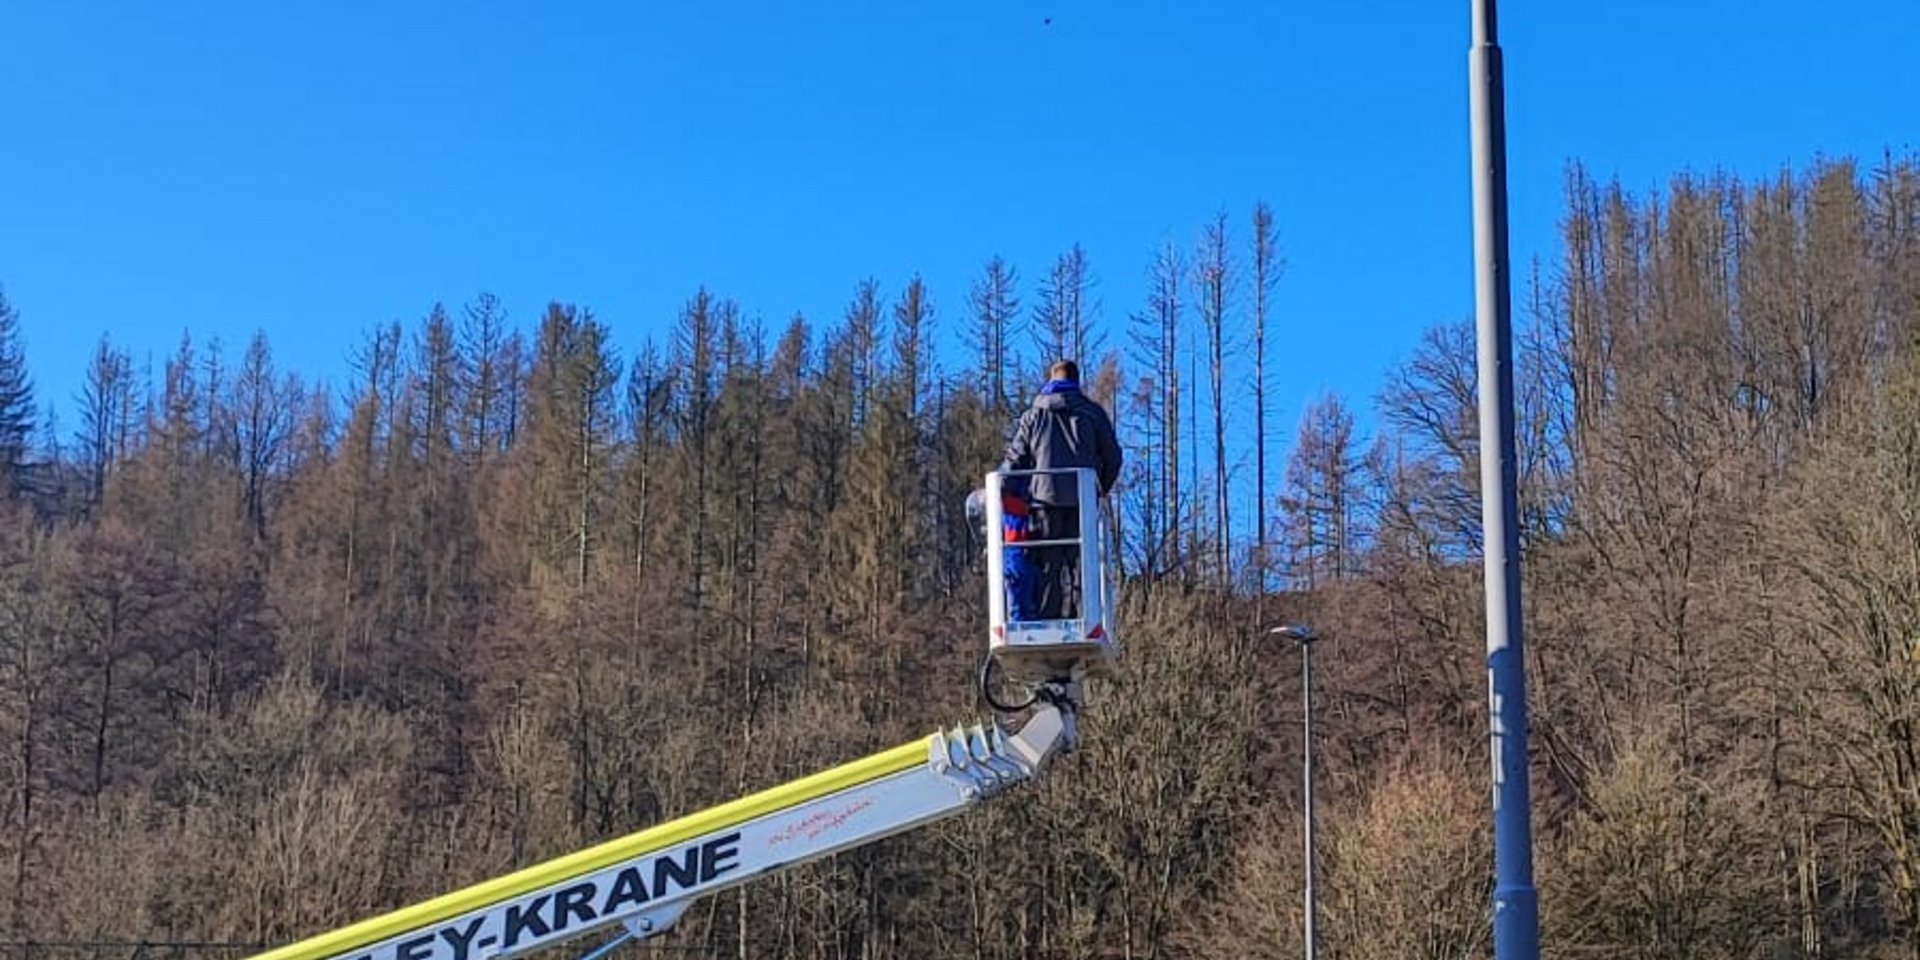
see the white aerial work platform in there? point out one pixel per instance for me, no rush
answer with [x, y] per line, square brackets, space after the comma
[1032, 647]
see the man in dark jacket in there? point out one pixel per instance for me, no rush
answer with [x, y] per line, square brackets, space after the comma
[1064, 428]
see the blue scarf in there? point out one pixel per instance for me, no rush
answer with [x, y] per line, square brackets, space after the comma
[1059, 386]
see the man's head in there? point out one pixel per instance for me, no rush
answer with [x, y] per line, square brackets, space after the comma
[1064, 370]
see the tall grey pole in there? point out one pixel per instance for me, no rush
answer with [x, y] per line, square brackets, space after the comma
[1310, 907]
[1516, 927]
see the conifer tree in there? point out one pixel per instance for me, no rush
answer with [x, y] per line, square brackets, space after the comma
[17, 412]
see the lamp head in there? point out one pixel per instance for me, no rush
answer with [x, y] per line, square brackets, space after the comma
[1297, 632]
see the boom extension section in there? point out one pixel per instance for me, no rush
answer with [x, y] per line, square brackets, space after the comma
[645, 881]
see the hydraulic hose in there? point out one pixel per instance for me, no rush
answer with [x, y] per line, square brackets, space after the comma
[986, 690]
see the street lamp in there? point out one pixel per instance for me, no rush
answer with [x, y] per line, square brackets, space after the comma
[1305, 637]
[1516, 920]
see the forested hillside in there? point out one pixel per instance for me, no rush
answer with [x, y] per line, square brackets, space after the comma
[273, 658]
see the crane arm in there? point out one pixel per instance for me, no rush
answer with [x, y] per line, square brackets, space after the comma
[644, 881]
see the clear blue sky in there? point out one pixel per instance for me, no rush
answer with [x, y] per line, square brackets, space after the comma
[313, 168]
